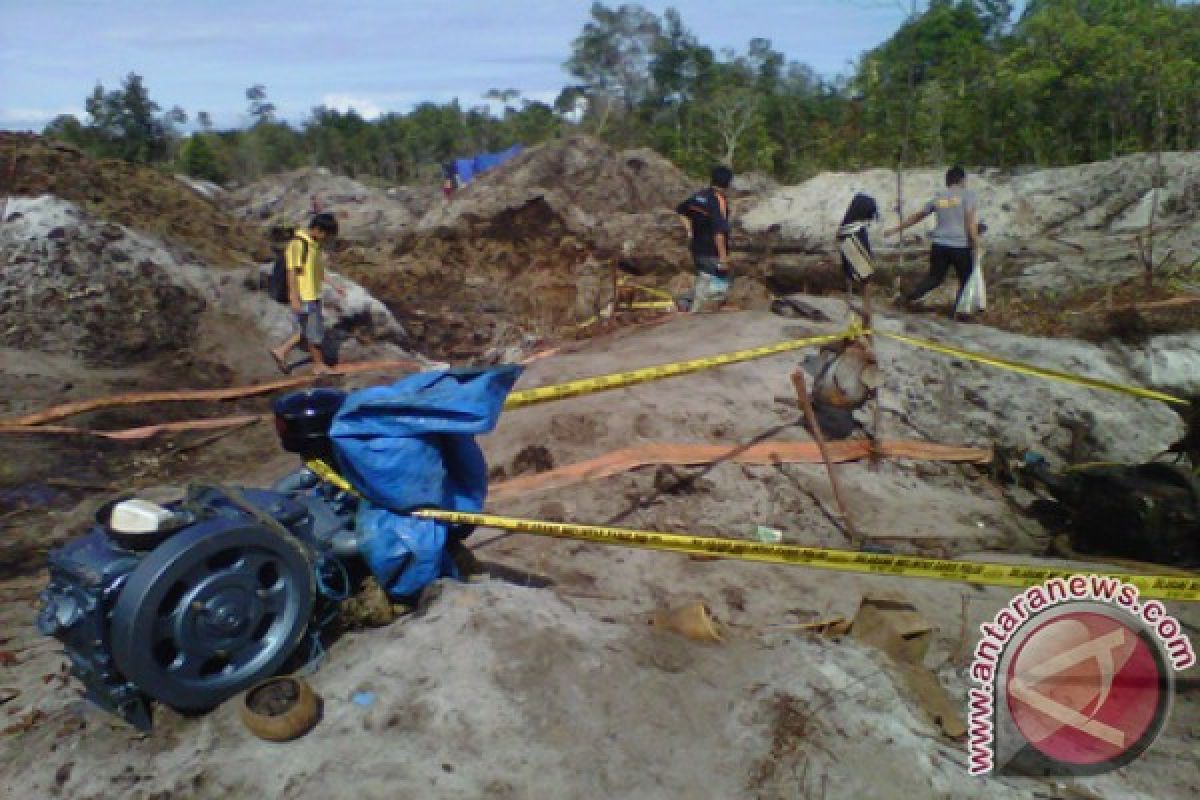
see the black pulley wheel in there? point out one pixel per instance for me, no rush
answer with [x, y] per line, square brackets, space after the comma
[215, 609]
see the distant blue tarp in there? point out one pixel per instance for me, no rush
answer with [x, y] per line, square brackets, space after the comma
[412, 445]
[468, 168]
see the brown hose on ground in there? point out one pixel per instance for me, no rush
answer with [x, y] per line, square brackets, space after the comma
[764, 453]
[176, 395]
[134, 434]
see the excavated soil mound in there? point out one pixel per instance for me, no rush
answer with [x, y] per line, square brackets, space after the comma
[1111, 196]
[528, 248]
[135, 196]
[364, 213]
[79, 286]
[589, 174]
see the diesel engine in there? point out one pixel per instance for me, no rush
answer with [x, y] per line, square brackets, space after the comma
[187, 596]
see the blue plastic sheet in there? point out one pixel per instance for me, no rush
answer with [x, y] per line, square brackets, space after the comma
[412, 445]
[468, 169]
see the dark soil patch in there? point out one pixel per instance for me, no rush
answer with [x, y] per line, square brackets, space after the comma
[790, 727]
[532, 459]
[273, 699]
[1098, 314]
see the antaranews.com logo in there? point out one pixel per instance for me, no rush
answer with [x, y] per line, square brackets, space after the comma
[1073, 677]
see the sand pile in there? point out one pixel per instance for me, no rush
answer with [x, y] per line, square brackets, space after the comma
[527, 248]
[113, 297]
[136, 197]
[364, 213]
[1111, 196]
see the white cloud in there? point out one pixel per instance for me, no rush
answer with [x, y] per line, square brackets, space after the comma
[25, 117]
[366, 108]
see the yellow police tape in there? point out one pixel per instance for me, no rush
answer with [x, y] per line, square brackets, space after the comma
[328, 474]
[650, 290]
[666, 303]
[619, 380]
[1163, 587]
[1030, 369]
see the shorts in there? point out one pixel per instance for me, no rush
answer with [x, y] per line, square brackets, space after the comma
[709, 290]
[706, 264]
[308, 320]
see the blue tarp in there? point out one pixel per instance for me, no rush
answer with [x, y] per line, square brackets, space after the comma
[468, 168]
[411, 445]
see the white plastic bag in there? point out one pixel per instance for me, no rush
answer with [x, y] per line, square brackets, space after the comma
[974, 295]
[858, 257]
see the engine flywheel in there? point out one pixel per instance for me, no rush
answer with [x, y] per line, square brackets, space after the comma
[211, 611]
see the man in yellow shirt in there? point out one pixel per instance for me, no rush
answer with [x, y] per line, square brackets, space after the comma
[305, 275]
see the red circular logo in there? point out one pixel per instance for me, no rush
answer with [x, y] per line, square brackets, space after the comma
[1087, 689]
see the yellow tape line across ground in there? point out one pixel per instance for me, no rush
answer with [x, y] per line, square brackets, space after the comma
[1162, 587]
[666, 297]
[984, 573]
[544, 394]
[620, 380]
[1030, 369]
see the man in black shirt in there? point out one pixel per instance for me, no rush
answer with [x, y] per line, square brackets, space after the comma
[705, 215]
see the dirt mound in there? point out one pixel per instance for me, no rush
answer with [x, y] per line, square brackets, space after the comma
[618, 203]
[528, 248]
[364, 213]
[79, 286]
[1112, 196]
[587, 174]
[134, 196]
[417, 199]
[90, 308]
[112, 297]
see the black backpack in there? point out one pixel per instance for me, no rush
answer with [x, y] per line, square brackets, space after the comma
[277, 283]
[697, 206]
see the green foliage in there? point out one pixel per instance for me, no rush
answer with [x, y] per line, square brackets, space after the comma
[613, 53]
[125, 123]
[199, 158]
[1069, 81]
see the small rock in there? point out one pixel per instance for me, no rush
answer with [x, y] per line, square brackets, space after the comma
[975, 398]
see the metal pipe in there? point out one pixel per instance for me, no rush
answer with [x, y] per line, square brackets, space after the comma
[811, 416]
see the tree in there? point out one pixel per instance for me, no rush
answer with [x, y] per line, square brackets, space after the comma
[994, 15]
[504, 97]
[67, 128]
[124, 122]
[260, 109]
[679, 61]
[535, 122]
[204, 120]
[612, 55]
[200, 159]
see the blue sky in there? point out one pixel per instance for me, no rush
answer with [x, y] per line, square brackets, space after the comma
[374, 55]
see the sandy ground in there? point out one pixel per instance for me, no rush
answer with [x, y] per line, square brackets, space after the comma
[546, 681]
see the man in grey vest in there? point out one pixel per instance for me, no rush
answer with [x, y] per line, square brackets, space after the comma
[954, 238]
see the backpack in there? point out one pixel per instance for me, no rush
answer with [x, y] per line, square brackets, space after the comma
[698, 206]
[277, 283]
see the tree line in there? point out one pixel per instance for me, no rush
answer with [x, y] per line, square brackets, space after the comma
[1066, 81]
